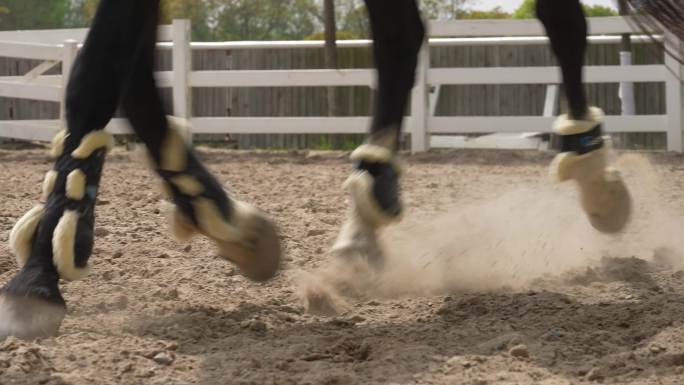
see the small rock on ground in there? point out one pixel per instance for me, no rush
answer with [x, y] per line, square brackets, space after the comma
[519, 351]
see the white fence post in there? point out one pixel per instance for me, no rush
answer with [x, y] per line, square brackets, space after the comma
[626, 90]
[551, 101]
[420, 107]
[182, 65]
[68, 57]
[673, 94]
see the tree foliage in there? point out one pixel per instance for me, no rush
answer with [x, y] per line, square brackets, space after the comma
[353, 18]
[80, 13]
[526, 10]
[599, 11]
[494, 13]
[251, 19]
[442, 9]
[197, 11]
[32, 14]
[266, 19]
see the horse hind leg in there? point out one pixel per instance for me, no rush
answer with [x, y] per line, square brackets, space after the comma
[243, 234]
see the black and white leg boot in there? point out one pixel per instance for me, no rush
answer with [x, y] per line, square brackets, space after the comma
[54, 239]
[583, 158]
[244, 235]
[373, 188]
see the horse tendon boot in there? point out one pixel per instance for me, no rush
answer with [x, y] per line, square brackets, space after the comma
[373, 188]
[583, 158]
[244, 235]
[54, 239]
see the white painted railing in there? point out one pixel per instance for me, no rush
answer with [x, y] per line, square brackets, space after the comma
[42, 45]
[50, 48]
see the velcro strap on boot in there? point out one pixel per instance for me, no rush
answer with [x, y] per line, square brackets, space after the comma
[72, 244]
[375, 164]
[74, 183]
[580, 136]
[68, 194]
[23, 232]
[200, 202]
[583, 143]
[372, 153]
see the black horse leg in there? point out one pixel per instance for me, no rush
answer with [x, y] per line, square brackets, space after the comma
[243, 234]
[566, 27]
[55, 239]
[398, 34]
[604, 197]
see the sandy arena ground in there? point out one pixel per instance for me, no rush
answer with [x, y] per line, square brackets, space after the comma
[494, 277]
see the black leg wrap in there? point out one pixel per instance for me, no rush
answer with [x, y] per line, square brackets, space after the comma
[375, 202]
[60, 232]
[201, 204]
[584, 142]
[54, 240]
[193, 183]
[243, 234]
[385, 186]
[374, 186]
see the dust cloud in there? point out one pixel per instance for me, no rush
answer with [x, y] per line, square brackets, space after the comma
[504, 243]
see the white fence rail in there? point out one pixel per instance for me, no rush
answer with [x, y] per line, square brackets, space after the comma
[52, 47]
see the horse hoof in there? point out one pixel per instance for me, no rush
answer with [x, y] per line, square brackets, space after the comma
[369, 252]
[259, 258]
[609, 208]
[356, 240]
[29, 317]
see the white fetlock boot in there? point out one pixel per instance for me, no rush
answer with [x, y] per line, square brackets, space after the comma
[583, 158]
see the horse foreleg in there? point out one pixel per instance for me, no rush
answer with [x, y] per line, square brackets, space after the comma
[373, 187]
[55, 239]
[583, 158]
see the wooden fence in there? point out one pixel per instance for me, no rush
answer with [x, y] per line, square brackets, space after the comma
[212, 61]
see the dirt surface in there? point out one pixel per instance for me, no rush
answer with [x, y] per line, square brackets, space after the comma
[493, 277]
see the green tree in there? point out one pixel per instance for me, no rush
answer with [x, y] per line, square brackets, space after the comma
[197, 11]
[442, 9]
[353, 18]
[266, 19]
[81, 14]
[526, 10]
[32, 14]
[494, 13]
[599, 11]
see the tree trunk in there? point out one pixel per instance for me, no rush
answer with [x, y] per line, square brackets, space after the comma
[330, 50]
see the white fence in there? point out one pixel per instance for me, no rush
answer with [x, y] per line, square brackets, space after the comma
[53, 47]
